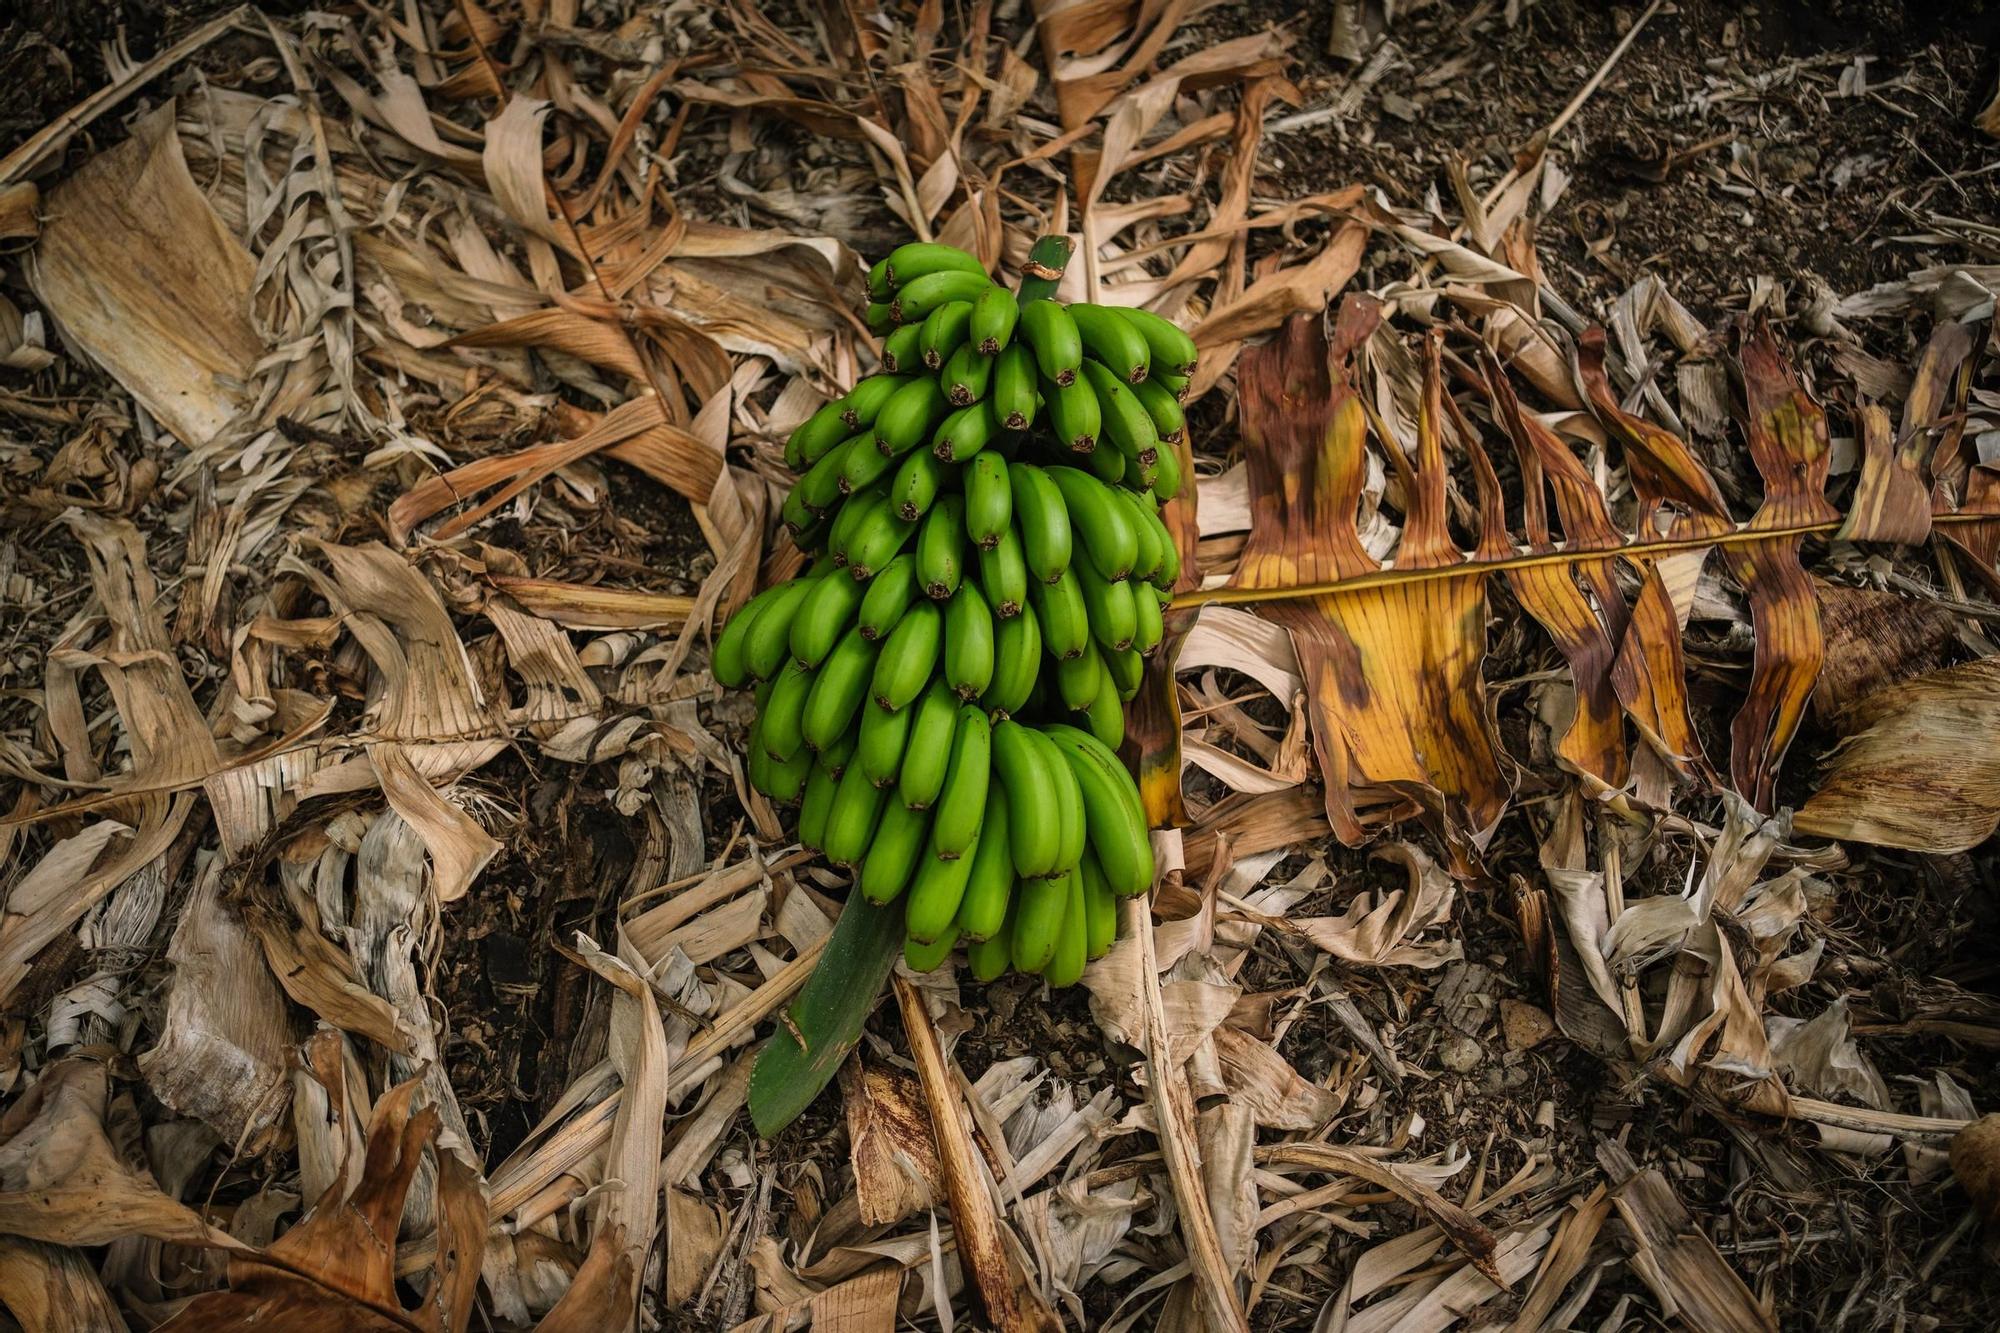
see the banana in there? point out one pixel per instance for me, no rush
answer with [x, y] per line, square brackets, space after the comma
[1107, 465]
[726, 662]
[1126, 423]
[1147, 626]
[1127, 669]
[1169, 422]
[834, 758]
[988, 957]
[785, 779]
[944, 332]
[820, 786]
[1108, 602]
[921, 957]
[1039, 908]
[863, 466]
[967, 375]
[782, 716]
[881, 317]
[1034, 833]
[932, 909]
[982, 910]
[1106, 717]
[851, 819]
[819, 489]
[1166, 483]
[853, 513]
[816, 434]
[964, 434]
[993, 318]
[769, 640]
[1003, 576]
[910, 261]
[1100, 907]
[894, 851]
[1065, 623]
[907, 419]
[1070, 827]
[1017, 657]
[1100, 519]
[1112, 814]
[1072, 949]
[1112, 340]
[915, 484]
[1171, 350]
[1080, 678]
[876, 539]
[902, 351]
[916, 299]
[756, 759]
[1074, 415]
[1177, 385]
[968, 642]
[1147, 533]
[888, 595]
[1013, 389]
[928, 754]
[1169, 571]
[878, 280]
[878, 746]
[941, 549]
[961, 802]
[838, 691]
[1048, 329]
[989, 499]
[861, 404]
[909, 657]
[798, 519]
[1043, 520]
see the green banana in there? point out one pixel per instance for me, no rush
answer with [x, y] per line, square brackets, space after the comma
[914, 259]
[1126, 423]
[881, 316]
[1108, 602]
[1047, 328]
[968, 642]
[915, 484]
[813, 808]
[928, 754]
[989, 499]
[988, 957]
[1171, 350]
[907, 419]
[864, 401]
[1177, 385]
[769, 640]
[1112, 340]
[1100, 519]
[1106, 717]
[785, 779]
[1072, 949]
[798, 519]
[1148, 627]
[1044, 522]
[838, 691]
[1147, 533]
[1033, 824]
[1070, 828]
[1039, 908]
[877, 538]
[941, 548]
[854, 512]
[1017, 657]
[964, 434]
[851, 819]
[1107, 465]
[1166, 483]
[944, 332]
[967, 375]
[1168, 571]
[894, 852]
[888, 595]
[863, 466]
[834, 758]
[1127, 669]
[1075, 418]
[878, 280]
[783, 715]
[878, 746]
[993, 317]
[921, 957]
[916, 299]
[756, 759]
[1013, 388]
[902, 351]
[1112, 813]
[816, 434]
[726, 662]
[1065, 623]
[1003, 576]
[819, 489]
[932, 910]
[982, 910]
[1100, 907]
[909, 656]
[1080, 678]
[1169, 421]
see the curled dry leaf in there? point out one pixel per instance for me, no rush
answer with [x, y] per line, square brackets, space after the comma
[1975, 1161]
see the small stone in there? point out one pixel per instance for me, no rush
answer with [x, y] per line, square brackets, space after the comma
[1461, 1054]
[1524, 1025]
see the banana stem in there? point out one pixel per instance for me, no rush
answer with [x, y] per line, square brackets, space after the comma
[1042, 274]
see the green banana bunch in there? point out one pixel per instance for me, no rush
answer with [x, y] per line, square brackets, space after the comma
[942, 690]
